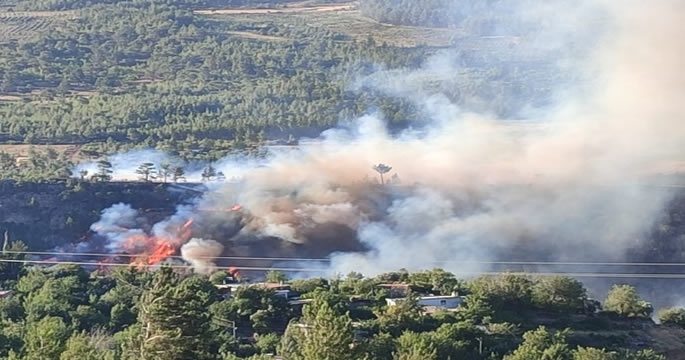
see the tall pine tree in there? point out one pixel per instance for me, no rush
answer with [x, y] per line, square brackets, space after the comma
[174, 318]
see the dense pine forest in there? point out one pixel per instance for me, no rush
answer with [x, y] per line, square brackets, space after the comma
[155, 74]
[64, 312]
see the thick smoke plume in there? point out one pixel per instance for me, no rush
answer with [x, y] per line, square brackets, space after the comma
[200, 253]
[569, 184]
[118, 223]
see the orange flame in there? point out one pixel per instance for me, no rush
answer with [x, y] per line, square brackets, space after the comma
[155, 249]
[161, 251]
[235, 274]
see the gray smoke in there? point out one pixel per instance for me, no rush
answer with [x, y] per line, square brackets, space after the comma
[568, 184]
[201, 253]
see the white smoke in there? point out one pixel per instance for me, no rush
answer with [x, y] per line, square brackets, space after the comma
[117, 223]
[201, 253]
[566, 185]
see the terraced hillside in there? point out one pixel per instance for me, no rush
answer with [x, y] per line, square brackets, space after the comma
[27, 25]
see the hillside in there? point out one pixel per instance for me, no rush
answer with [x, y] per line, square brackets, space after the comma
[187, 75]
[65, 211]
[341, 180]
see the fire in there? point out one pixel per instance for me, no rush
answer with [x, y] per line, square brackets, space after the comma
[234, 273]
[153, 249]
[161, 251]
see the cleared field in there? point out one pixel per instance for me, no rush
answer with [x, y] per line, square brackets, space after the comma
[10, 98]
[250, 35]
[292, 8]
[22, 150]
[24, 25]
[343, 18]
[354, 25]
[38, 14]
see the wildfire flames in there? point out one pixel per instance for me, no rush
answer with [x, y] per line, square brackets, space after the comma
[124, 237]
[154, 249]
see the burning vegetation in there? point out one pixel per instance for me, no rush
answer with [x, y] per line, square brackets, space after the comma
[124, 234]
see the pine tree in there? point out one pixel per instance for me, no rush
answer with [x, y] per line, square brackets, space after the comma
[326, 335]
[165, 171]
[382, 169]
[146, 171]
[208, 173]
[104, 171]
[178, 174]
[174, 318]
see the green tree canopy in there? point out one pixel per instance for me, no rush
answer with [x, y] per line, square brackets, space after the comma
[624, 301]
[146, 171]
[583, 353]
[174, 317]
[673, 316]
[541, 344]
[559, 293]
[323, 334]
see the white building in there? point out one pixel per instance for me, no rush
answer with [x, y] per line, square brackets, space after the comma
[445, 302]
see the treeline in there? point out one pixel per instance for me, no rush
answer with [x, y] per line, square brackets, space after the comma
[64, 312]
[475, 17]
[431, 13]
[36, 166]
[190, 4]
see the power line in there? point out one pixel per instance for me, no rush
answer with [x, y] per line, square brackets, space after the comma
[172, 256]
[98, 264]
[321, 270]
[254, 258]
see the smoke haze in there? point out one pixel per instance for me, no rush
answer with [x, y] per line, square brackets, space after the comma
[200, 254]
[472, 188]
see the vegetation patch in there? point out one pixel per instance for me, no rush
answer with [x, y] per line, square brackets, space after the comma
[28, 25]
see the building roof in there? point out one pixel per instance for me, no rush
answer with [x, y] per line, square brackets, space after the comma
[436, 297]
[273, 286]
[394, 285]
[431, 297]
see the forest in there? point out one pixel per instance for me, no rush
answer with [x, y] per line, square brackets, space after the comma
[79, 4]
[65, 312]
[485, 18]
[153, 74]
